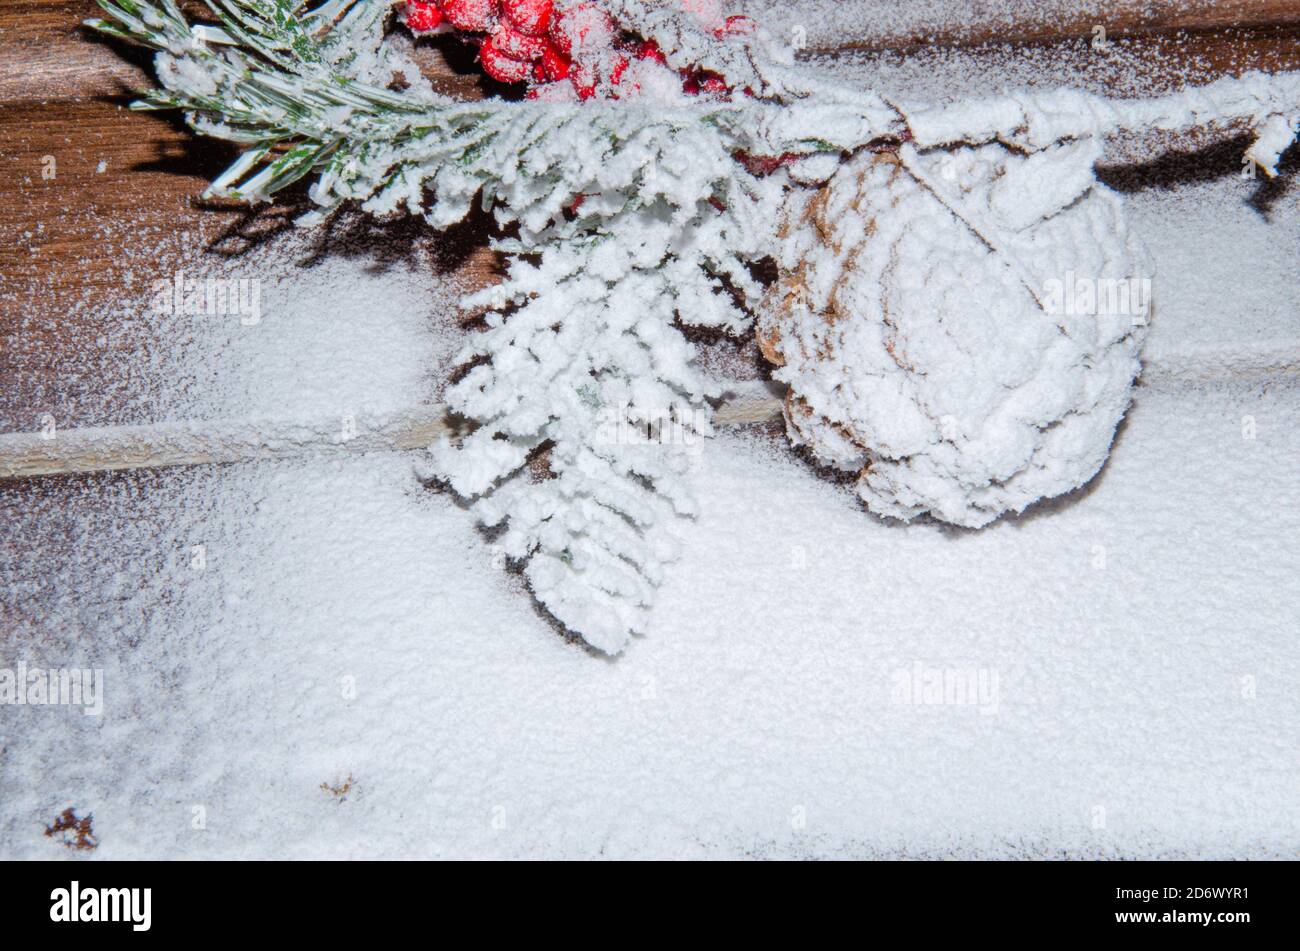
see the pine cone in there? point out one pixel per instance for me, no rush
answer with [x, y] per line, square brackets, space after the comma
[928, 332]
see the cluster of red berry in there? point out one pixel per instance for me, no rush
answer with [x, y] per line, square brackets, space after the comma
[542, 43]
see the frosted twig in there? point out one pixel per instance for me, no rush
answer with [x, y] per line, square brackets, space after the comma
[1036, 121]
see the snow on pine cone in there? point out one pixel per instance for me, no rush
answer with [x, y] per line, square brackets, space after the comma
[963, 366]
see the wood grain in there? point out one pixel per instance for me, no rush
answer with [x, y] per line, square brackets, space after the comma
[47, 54]
[1155, 61]
[984, 23]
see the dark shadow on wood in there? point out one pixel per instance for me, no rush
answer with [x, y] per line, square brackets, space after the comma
[1217, 161]
[400, 240]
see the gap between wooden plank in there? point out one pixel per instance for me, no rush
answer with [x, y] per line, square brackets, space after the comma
[164, 445]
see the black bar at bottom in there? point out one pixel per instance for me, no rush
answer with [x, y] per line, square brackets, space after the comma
[1176, 900]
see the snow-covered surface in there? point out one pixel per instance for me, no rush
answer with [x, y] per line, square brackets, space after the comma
[1227, 276]
[1136, 641]
[760, 715]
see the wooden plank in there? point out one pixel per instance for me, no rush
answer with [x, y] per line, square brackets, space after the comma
[56, 452]
[45, 53]
[81, 173]
[1154, 62]
[87, 175]
[119, 209]
[985, 23]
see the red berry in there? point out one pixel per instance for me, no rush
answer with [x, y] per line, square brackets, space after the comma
[583, 78]
[476, 16]
[649, 49]
[517, 45]
[528, 16]
[765, 164]
[736, 26]
[502, 68]
[584, 28]
[422, 17]
[714, 85]
[620, 67]
[555, 65]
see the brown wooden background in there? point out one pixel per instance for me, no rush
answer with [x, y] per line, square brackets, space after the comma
[122, 207]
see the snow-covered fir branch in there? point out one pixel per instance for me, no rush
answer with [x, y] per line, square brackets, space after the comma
[589, 369]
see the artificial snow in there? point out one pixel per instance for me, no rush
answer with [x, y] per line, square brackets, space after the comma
[1138, 658]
